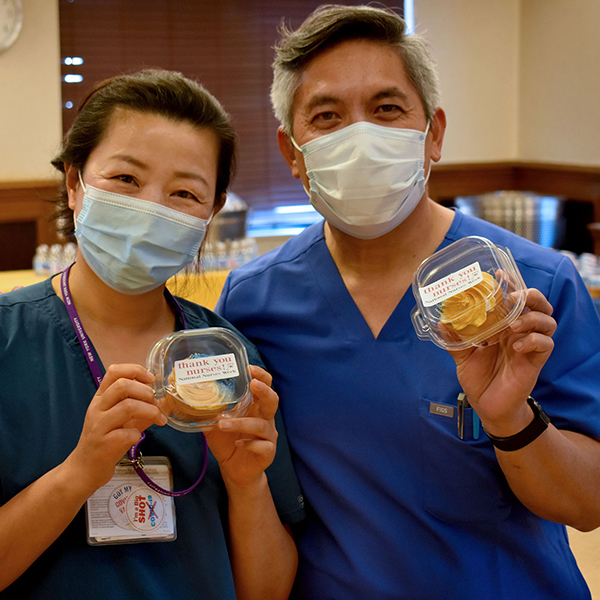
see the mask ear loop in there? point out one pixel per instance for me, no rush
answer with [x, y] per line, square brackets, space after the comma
[81, 180]
[84, 190]
[428, 170]
[295, 144]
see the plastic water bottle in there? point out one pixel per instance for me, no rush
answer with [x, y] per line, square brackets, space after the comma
[40, 260]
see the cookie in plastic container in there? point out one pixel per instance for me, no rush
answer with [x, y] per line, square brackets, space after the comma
[201, 375]
[467, 294]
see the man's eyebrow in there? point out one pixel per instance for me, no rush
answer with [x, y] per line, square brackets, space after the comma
[320, 100]
[391, 92]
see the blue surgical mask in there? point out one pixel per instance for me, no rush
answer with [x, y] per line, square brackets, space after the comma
[135, 245]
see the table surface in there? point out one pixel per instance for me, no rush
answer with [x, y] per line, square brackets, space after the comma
[202, 288]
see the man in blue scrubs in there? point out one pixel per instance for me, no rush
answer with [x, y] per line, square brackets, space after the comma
[399, 505]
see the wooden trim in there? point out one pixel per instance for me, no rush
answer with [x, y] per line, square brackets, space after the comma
[574, 183]
[467, 179]
[30, 201]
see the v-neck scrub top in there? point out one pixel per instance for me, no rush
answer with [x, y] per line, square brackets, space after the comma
[45, 389]
[398, 506]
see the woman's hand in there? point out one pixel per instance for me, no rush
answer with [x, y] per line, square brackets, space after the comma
[121, 410]
[498, 379]
[245, 447]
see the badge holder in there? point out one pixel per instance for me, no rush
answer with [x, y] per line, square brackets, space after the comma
[136, 505]
[126, 511]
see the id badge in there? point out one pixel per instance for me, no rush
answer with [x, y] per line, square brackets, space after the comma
[127, 511]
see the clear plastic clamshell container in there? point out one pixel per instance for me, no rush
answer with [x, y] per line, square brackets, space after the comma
[201, 375]
[467, 294]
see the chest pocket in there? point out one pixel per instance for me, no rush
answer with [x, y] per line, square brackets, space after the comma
[461, 479]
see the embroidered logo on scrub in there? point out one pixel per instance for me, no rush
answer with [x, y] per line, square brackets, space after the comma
[441, 409]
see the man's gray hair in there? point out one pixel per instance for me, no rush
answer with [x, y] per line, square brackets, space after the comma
[334, 23]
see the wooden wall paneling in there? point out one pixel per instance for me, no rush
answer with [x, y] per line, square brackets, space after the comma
[17, 245]
[449, 181]
[579, 185]
[573, 182]
[25, 211]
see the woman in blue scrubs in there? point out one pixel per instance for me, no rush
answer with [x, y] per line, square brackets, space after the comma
[146, 166]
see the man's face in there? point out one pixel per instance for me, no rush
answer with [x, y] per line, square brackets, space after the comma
[356, 80]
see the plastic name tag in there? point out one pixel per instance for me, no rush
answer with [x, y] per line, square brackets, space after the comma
[127, 511]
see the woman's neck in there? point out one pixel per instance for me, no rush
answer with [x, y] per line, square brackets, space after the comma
[99, 304]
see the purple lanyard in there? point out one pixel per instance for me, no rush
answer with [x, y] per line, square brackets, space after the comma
[135, 456]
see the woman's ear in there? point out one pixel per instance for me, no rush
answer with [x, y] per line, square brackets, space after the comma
[72, 183]
[219, 204]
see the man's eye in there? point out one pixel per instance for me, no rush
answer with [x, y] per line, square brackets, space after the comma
[325, 116]
[388, 108]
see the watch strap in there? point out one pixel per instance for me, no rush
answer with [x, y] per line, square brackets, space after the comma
[526, 436]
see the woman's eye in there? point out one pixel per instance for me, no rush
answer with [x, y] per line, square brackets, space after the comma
[125, 178]
[186, 194]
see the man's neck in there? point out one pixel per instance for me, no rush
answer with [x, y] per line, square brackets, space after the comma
[400, 250]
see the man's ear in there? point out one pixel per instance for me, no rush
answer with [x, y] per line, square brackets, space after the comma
[288, 151]
[72, 183]
[438, 128]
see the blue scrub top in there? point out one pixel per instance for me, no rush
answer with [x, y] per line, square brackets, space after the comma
[45, 389]
[398, 506]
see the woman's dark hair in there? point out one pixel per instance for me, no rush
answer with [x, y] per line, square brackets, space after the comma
[165, 93]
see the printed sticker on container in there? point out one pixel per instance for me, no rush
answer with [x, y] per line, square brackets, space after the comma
[206, 368]
[452, 284]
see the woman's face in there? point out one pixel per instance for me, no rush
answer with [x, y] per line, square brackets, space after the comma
[152, 158]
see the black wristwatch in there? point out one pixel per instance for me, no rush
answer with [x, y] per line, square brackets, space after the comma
[515, 442]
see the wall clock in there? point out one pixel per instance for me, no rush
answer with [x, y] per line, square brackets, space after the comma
[11, 21]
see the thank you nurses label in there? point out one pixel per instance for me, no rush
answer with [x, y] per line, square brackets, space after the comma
[207, 368]
[452, 284]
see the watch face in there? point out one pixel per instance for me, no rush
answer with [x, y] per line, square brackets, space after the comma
[11, 21]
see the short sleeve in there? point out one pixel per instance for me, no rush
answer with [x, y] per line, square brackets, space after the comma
[568, 384]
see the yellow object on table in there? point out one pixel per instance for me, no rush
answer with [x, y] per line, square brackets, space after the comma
[202, 288]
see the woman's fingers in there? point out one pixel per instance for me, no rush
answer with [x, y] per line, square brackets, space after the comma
[125, 371]
[265, 399]
[124, 399]
[123, 389]
[250, 426]
[132, 412]
[260, 374]
[261, 448]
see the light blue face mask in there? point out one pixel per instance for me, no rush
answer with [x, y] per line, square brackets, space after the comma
[135, 245]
